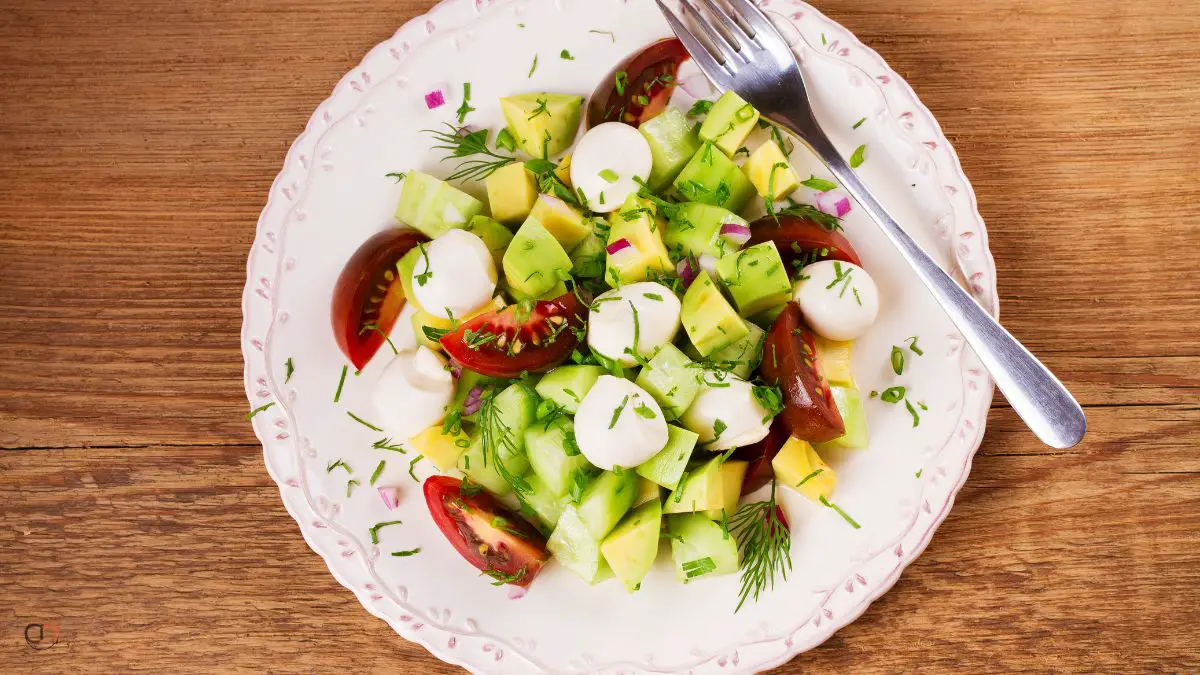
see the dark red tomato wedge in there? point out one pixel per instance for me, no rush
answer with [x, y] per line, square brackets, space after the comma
[640, 87]
[759, 455]
[802, 241]
[368, 293]
[790, 362]
[485, 532]
[520, 338]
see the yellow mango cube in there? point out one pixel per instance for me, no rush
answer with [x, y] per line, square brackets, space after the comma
[563, 221]
[834, 358]
[769, 163]
[441, 449]
[732, 474]
[564, 171]
[799, 467]
[512, 192]
[643, 230]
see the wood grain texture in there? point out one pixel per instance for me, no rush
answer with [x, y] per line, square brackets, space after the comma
[139, 139]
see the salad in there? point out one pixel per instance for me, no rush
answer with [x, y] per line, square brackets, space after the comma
[638, 328]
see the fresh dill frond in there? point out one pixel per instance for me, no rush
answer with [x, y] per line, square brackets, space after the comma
[766, 546]
[479, 161]
[496, 438]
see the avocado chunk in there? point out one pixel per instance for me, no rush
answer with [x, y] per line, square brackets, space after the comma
[561, 220]
[667, 467]
[756, 278]
[701, 489]
[494, 235]
[739, 358]
[647, 491]
[670, 377]
[608, 498]
[631, 548]
[637, 223]
[710, 322]
[434, 207]
[673, 142]
[553, 455]
[512, 191]
[799, 467]
[515, 409]
[850, 405]
[834, 358]
[732, 474]
[441, 449]
[567, 385]
[766, 319]
[729, 123]
[589, 258]
[696, 229]
[712, 178]
[546, 505]
[535, 262]
[701, 547]
[771, 172]
[576, 548]
[544, 124]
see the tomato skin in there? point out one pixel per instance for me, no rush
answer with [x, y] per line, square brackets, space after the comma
[799, 238]
[363, 278]
[790, 361]
[759, 472]
[544, 340]
[466, 521]
[646, 67]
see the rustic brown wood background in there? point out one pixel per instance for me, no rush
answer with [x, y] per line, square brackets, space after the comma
[138, 139]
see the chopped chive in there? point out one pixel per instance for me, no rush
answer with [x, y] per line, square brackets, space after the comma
[337, 395]
[534, 66]
[378, 470]
[412, 465]
[350, 487]
[892, 395]
[810, 476]
[857, 159]
[251, 415]
[919, 472]
[379, 526]
[363, 422]
[912, 411]
[897, 360]
[405, 554]
[859, 123]
[840, 512]
[338, 464]
[609, 33]
[912, 345]
[288, 369]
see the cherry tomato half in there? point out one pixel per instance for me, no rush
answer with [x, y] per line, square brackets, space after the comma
[790, 361]
[369, 294]
[802, 241]
[640, 87]
[486, 533]
[759, 472]
[520, 338]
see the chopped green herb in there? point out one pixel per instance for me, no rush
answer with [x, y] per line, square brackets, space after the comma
[840, 512]
[765, 544]
[378, 470]
[338, 464]
[912, 411]
[413, 465]
[621, 81]
[288, 369]
[424, 277]
[379, 526]
[609, 176]
[506, 140]
[396, 175]
[465, 108]
[919, 472]
[350, 487]
[501, 578]
[386, 444]
[617, 412]
[897, 360]
[701, 107]
[653, 296]
[461, 147]
[698, 568]
[912, 345]
[857, 158]
[819, 184]
[566, 56]
[251, 415]
[719, 427]
[645, 411]
[363, 422]
[386, 337]
[810, 476]
[859, 123]
[533, 68]
[337, 395]
[605, 32]
[405, 554]
[892, 395]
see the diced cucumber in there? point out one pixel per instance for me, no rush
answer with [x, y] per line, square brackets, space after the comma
[515, 409]
[673, 142]
[850, 405]
[670, 378]
[607, 499]
[695, 228]
[553, 458]
[756, 278]
[535, 262]
[433, 206]
[667, 467]
[631, 548]
[729, 122]
[494, 235]
[701, 547]
[739, 358]
[589, 258]
[567, 385]
[576, 548]
[702, 489]
[732, 474]
[545, 504]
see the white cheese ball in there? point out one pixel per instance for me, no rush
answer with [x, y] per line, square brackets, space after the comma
[605, 163]
[731, 409]
[611, 325]
[413, 392]
[456, 276]
[839, 300]
[619, 425]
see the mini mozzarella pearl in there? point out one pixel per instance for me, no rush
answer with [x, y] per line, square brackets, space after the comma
[837, 311]
[610, 147]
[629, 441]
[745, 420]
[413, 392]
[611, 324]
[463, 279]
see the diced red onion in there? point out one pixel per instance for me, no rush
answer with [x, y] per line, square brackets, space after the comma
[390, 497]
[435, 99]
[516, 593]
[473, 400]
[618, 246]
[621, 251]
[455, 368]
[708, 263]
[834, 202]
[736, 233]
[687, 270]
[466, 131]
[697, 86]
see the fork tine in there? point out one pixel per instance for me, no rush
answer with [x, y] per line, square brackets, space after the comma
[753, 17]
[718, 41]
[712, 69]
[733, 31]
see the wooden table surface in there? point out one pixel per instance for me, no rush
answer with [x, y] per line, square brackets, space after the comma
[138, 139]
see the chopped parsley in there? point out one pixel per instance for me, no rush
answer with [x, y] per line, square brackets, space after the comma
[645, 411]
[719, 426]
[857, 159]
[253, 413]
[465, 108]
[566, 56]
[701, 107]
[819, 184]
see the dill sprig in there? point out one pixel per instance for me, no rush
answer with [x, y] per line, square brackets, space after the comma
[827, 222]
[766, 546]
[496, 437]
[483, 160]
[500, 578]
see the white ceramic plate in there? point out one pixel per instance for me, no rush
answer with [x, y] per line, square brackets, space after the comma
[332, 195]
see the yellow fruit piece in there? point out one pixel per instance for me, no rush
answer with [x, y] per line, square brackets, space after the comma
[563, 221]
[422, 319]
[646, 491]
[766, 163]
[799, 467]
[732, 474]
[512, 192]
[564, 171]
[644, 233]
[834, 358]
[441, 449]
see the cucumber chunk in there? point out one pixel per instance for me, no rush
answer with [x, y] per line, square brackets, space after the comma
[567, 385]
[608, 498]
[667, 467]
[552, 456]
[576, 548]
[670, 378]
[701, 547]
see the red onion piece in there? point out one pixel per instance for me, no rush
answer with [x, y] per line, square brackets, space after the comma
[835, 203]
[435, 99]
[390, 497]
[473, 400]
[618, 246]
[738, 234]
[687, 269]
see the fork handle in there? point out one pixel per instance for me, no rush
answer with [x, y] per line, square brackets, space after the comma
[1036, 395]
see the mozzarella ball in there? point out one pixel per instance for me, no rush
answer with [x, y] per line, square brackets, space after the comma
[455, 276]
[605, 163]
[413, 392]
[839, 300]
[731, 410]
[612, 328]
[619, 425]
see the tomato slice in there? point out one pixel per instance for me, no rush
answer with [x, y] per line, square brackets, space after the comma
[486, 533]
[790, 361]
[525, 337]
[802, 240]
[369, 293]
[645, 88]
[760, 454]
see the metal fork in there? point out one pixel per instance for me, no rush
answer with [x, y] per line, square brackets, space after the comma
[742, 51]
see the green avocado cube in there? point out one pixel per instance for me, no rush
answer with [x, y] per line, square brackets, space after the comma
[535, 262]
[712, 178]
[695, 229]
[701, 547]
[701, 489]
[553, 455]
[433, 206]
[544, 124]
[673, 142]
[756, 278]
[709, 320]
[729, 123]
[670, 377]
[494, 235]
[739, 358]
[631, 548]
[667, 467]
